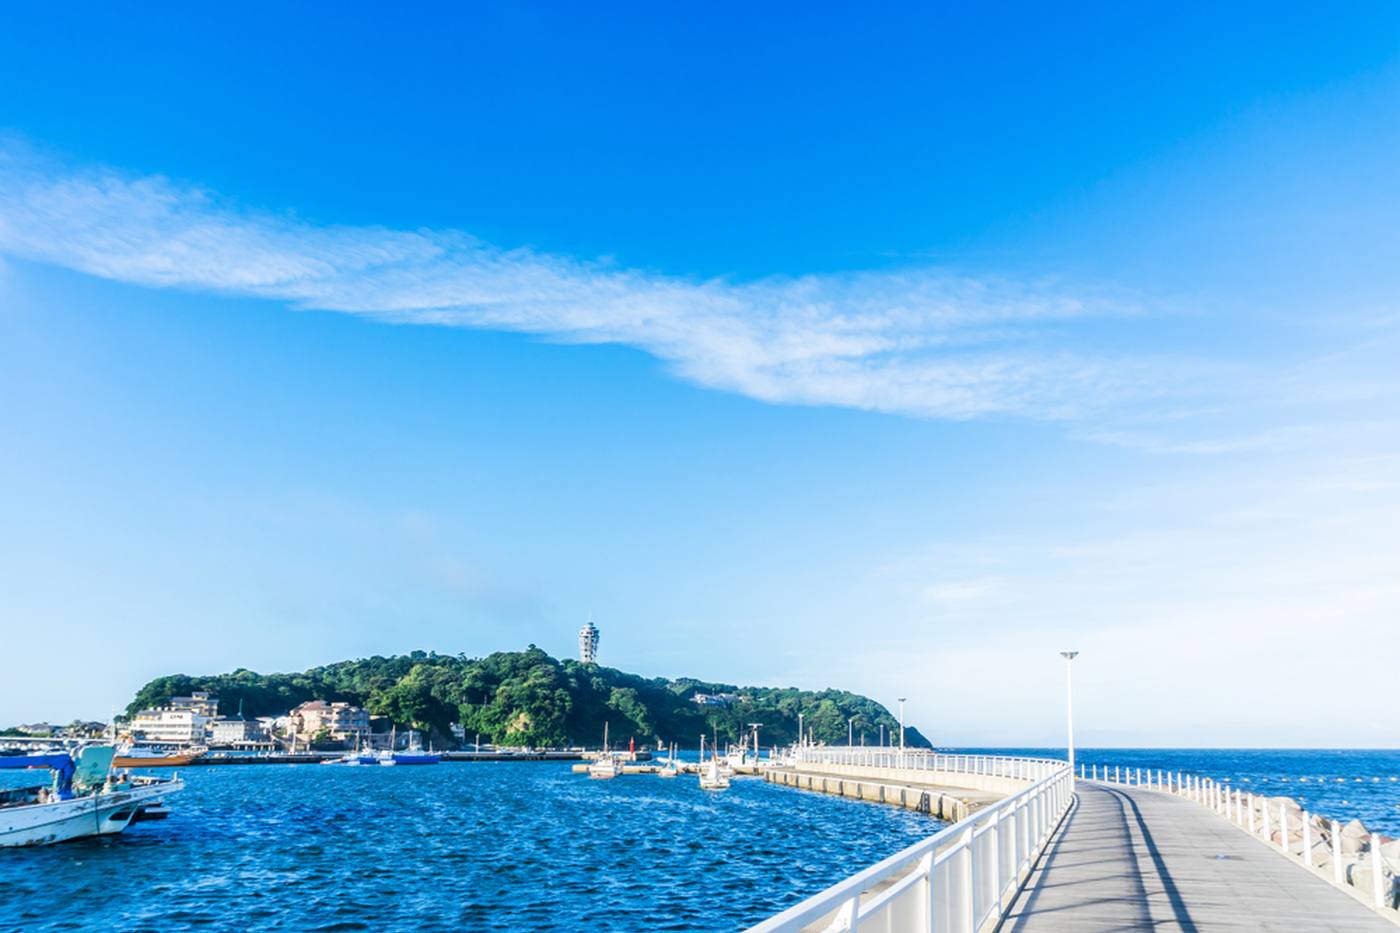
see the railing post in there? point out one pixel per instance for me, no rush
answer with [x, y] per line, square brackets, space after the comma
[995, 837]
[1338, 876]
[926, 866]
[1250, 804]
[1283, 826]
[850, 914]
[1377, 886]
[1307, 840]
[1265, 811]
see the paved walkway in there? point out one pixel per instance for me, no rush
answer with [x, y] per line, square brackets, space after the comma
[1134, 859]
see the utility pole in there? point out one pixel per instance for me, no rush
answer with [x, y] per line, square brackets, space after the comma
[1069, 657]
[850, 731]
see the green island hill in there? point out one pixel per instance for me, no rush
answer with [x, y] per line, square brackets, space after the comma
[527, 698]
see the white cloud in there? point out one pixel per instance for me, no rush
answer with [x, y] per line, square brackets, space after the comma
[926, 342]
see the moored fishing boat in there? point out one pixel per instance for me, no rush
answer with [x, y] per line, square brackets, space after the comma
[83, 799]
[412, 755]
[132, 757]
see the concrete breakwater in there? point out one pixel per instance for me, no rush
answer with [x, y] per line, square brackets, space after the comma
[941, 792]
[921, 799]
[1347, 853]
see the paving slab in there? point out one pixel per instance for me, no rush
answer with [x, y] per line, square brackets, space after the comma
[1128, 858]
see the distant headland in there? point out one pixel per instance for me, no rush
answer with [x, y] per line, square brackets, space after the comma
[514, 698]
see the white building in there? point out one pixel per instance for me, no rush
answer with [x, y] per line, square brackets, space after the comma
[588, 642]
[235, 730]
[170, 725]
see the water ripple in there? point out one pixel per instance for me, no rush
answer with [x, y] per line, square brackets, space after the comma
[457, 846]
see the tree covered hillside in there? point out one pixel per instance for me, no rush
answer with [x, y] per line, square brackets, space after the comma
[529, 698]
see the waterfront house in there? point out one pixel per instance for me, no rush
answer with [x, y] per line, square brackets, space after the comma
[232, 731]
[345, 722]
[199, 701]
[714, 699]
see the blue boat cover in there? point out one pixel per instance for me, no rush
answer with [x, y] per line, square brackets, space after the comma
[60, 763]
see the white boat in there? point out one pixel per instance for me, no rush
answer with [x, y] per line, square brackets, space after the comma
[606, 765]
[84, 799]
[712, 776]
[672, 766]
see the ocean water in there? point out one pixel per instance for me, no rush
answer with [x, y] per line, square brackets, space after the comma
[1342, 784]
[532, 846]
[455, 846]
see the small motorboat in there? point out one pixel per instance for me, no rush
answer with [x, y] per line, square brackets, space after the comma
[85, 798]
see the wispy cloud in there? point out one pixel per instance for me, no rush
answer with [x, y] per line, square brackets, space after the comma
[920, 341]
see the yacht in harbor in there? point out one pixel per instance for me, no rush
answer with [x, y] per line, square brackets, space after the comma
[606, 765]
[85, 797]
[712, 775]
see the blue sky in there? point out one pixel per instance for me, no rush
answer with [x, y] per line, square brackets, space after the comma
[892, 349]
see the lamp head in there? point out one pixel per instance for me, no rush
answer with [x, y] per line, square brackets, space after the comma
[1069, 655]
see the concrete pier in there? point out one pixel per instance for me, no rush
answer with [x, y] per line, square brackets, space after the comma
[944, 801]
[1128, 858]
[1168, 851]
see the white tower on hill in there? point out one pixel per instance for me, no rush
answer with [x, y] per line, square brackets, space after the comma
[588, 642]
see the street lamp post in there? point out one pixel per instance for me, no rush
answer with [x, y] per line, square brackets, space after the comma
[754, 726]
[801, 736]
[1069, 657]
[901, 724]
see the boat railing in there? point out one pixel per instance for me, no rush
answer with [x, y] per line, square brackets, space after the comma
[961, 879]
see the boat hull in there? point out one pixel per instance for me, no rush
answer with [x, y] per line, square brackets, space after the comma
[78, 818]
[164, 761]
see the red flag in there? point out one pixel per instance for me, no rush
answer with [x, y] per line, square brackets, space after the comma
[632, 745]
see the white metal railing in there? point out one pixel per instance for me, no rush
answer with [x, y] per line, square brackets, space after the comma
[1021, 769]
[1255, 815]
[960, 879]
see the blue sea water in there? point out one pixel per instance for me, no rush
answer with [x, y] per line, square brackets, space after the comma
[532, 846]
[455, 846]
[1342, 784]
